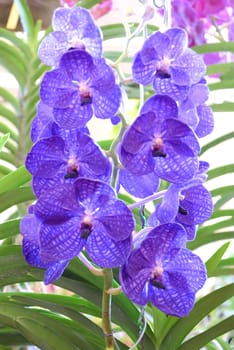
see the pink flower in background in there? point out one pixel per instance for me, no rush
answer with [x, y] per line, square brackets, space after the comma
[185, 16]
[208, 7]
[67, 3]
[101, 9]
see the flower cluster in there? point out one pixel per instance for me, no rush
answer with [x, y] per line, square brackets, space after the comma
[77, 209]
[163, 144]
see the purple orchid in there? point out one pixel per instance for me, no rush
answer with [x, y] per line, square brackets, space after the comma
[30, 229]
[157, 141]
[64, 156]
[85, 214]
[165, 60]
[42, 123]
[80, 88]
[189, 204]
[194, 112]
[161, 270]
[138, 186]
[73, 29]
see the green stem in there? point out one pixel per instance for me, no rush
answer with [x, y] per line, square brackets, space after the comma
[106, 309]
[112, 150]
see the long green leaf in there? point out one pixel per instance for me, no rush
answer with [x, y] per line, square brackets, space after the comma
[220, 68]
[210, 238]
[217, 141]
[15, 41]
[225, 169]
[13, 61]
[3, 140]
[9, 115]
[214, 260]
[201, 309]
[226, 106]
[26, 20]
[13, 197]
[10, 336]
[202, 339]
[15, 179]
[215, 47]
[10, 98]
[224, 84]
[9, 228]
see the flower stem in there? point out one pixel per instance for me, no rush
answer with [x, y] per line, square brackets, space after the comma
[106, 309]
[112, 150]
[147, 199]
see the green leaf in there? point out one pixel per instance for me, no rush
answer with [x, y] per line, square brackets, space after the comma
[9, 228]
[201, 309]
[220, 191]
[15, 179]
[224, 84]
[10, 336]
[225, 169]
[15, 41]
[13, 197]
[9, 115]
[3, 140]
[223, 107]
[197, 342]
[215, 47]
[13, 60]
[217, 141]
[26, 20]
[220, 68]
[89, 3]
[214, 260]
[4, 127]
[9, 98]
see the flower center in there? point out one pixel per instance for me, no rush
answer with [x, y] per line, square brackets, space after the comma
[158, 147]
[85, 94]
[182, 210]
[86, 226]
[75, 43]
[156, 277]
[163, 68]
[72, 169]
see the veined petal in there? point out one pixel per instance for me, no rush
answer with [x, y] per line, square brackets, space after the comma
[106, 105]
[143, 73]
[178, 41]
[138, 186]
[54, 271]
[77, 64]
[167, 87]
[192, 64]
[117, 220]
[172, 302]
[198, 203]
[176, 167]
[140, 163]
[55, 86]
[46, 157]
[185, 264]
[105, 251]
[163, 107]
[206, 121]
[52, 48]
[61, 241]
[136, 288]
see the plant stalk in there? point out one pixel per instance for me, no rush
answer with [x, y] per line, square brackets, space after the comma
[106, 309]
